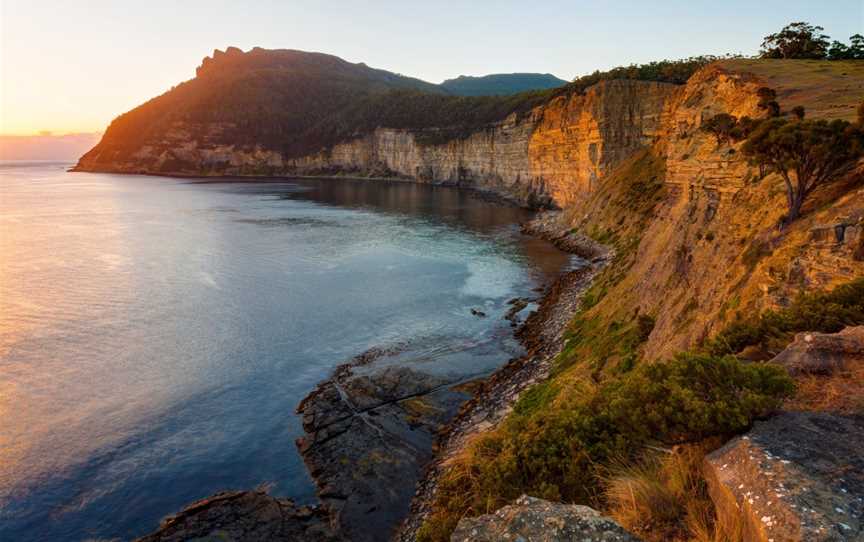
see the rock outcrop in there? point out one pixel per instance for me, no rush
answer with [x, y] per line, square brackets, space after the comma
[796, 477]
[369, 434]
[823, 353]
[245, 516]
[535, 520]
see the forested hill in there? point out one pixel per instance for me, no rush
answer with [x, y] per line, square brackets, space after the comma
[291, 101]
[501, 84]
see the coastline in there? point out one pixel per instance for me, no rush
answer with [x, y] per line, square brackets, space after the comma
[487, 194]
[542, 335]
[375, 437]
[369, 470]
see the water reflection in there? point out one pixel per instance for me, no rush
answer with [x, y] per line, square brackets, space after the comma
[156, 334]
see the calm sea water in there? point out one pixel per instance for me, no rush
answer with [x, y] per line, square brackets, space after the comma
[156, 334]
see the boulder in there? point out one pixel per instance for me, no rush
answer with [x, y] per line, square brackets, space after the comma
[241, 516]
[823, 353]
[798, 476]
[535, 520]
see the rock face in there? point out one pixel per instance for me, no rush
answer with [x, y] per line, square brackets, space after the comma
[535, 520]
[553, 156]
[823, 353]
[796, 477]
[245, 516]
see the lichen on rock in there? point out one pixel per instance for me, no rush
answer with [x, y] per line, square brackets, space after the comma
[534, 520]
[795, 477]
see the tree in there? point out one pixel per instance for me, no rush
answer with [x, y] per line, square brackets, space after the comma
[768, 101]
[856, 47]
[798, 112]
[806, 153]
[853, 51]
[796, 40]
[838, 51]
[722, 126]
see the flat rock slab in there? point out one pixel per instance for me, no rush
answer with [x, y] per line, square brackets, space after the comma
[245, 516]
[823, 353]
[796, 477]
[535, 520]
[369, 435]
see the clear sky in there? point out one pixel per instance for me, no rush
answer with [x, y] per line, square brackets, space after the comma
[71, 66]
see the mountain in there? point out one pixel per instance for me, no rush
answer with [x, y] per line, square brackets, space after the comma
[290, 102]
[501, 84]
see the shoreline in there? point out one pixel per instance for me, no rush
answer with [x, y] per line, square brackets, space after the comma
[542, 336]
[366, 451]
[490, 195]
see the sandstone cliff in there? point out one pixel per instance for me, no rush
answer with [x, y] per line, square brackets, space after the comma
[711, 249]
[706, 250]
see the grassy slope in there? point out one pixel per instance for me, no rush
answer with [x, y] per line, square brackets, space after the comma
[827, 89]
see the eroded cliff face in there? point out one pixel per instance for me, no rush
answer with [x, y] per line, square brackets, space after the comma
[712, 249]
[551, 156]
[554, 155]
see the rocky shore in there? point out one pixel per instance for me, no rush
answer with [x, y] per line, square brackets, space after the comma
[374, 428]
[542, 335]
[377, 431]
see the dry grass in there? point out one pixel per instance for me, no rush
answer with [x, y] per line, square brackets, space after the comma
[827, 89]
[664, 498]
[842, 391]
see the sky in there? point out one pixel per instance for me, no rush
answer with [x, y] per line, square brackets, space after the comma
[72, 66]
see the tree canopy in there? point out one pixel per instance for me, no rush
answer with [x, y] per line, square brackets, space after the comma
[806, 153]
[803, 40]
[796, 40]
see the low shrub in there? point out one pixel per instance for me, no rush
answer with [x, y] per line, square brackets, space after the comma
[559, 452]
[826, 312]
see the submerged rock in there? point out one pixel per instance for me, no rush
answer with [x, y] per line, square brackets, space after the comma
[535, 520]
[796, 477]
[245, 516]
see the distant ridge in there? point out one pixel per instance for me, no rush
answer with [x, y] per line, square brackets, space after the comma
[295, 103]
[501, 84]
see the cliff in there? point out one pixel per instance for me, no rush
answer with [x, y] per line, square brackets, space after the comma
[710, 249]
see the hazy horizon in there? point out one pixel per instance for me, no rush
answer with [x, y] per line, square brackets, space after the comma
[57, 74]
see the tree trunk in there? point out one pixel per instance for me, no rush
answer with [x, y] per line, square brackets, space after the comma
[795, 206]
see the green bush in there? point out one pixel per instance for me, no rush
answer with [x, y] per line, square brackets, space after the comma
[559, 451]
[826, 312]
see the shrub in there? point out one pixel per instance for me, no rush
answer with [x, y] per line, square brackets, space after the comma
[666, 71]
[826, 312]
[559, 452]
[768, 101]
[722, 126]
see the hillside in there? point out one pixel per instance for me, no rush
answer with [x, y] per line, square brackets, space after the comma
[700, 270]
[282, 112]
[281, 103]
[501, 84]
